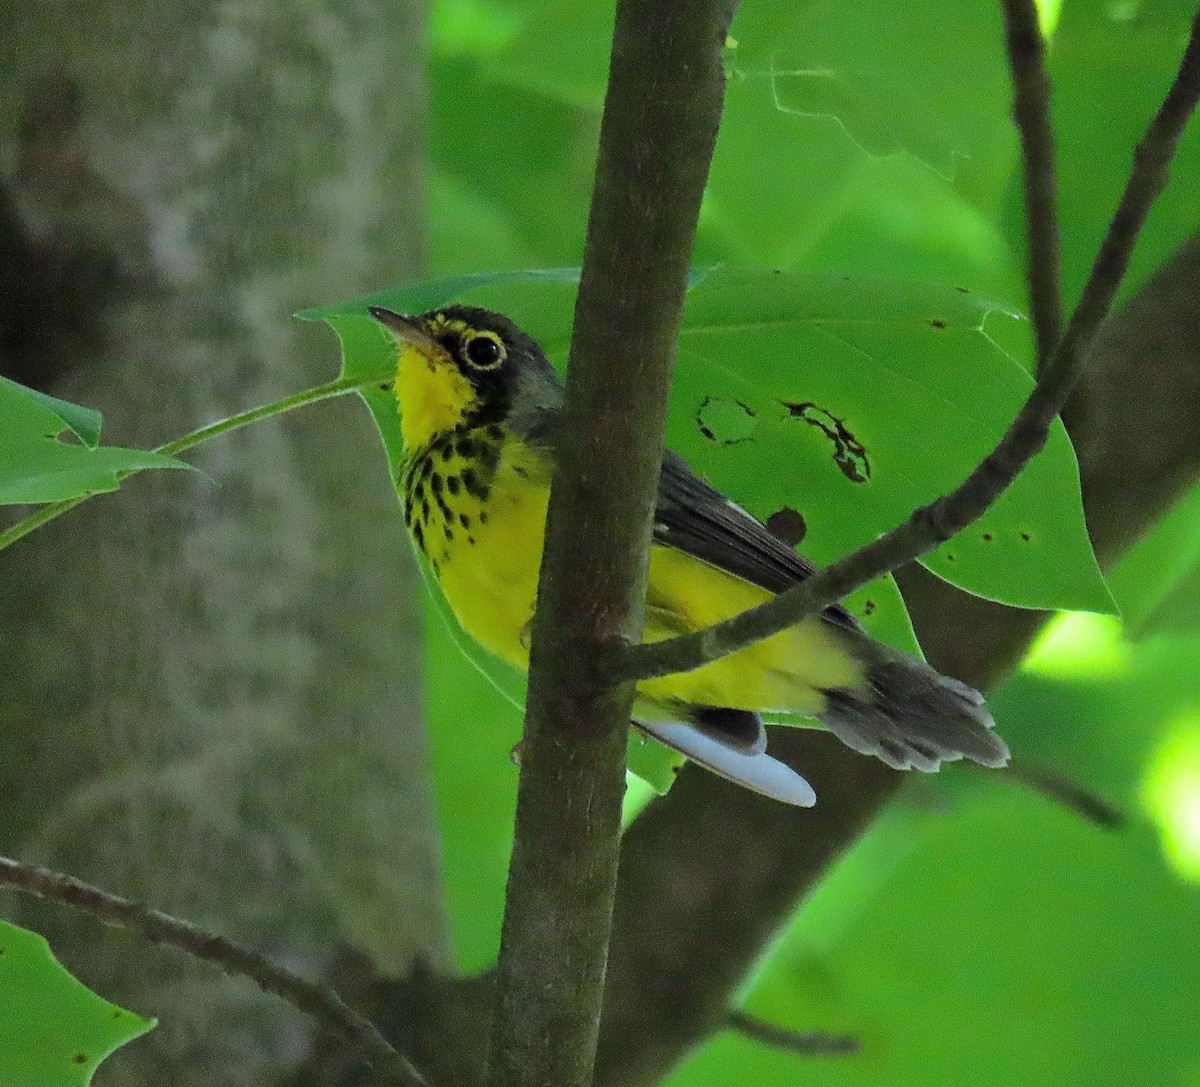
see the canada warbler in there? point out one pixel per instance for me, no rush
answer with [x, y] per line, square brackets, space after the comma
[479, 407]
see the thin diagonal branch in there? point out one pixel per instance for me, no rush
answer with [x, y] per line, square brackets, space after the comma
[1070, 794]
[1031, 112]
[950, 514]
[318, 1001]
[808, 1043]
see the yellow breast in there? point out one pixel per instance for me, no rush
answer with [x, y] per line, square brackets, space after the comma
[433, 397]
[476, 506]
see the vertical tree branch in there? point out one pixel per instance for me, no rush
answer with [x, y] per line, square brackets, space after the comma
[1031, 112]
[665, 95]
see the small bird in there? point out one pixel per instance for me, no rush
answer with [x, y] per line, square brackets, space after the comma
[480, 409]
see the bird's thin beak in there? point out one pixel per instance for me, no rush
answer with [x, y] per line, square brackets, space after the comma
[408, 330]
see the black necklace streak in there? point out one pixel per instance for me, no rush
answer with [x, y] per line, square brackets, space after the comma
[441, 496]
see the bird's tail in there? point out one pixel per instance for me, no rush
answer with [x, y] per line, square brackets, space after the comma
[910, 716]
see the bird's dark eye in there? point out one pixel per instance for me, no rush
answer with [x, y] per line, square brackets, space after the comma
[484, 351]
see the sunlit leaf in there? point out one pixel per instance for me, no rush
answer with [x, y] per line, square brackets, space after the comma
[1004, 941]
[1171, 793]
[1076, 644]
[54, 1031]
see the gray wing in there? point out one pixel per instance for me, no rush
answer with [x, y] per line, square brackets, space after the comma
[698, 520]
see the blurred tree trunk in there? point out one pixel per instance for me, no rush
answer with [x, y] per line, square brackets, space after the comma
[211, 682]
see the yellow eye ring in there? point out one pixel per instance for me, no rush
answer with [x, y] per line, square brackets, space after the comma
[484, 351]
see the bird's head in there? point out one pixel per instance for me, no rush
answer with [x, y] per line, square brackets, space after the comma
[463, 365]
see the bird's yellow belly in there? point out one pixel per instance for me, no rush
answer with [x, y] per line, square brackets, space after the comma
[491, 583]
[489, 578]
[785, 673]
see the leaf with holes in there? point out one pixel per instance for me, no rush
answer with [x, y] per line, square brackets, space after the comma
[36, 465]
[54, 1031]
[854, 402]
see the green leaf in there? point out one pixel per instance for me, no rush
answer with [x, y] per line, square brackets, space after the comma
[865, 400]
[852, 142]
[1005, 943]
[84, 422]
[886, 83]
[54, 1031]
[1154, 581]
[37, 466]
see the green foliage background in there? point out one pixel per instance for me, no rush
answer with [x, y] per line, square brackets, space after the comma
[978, 933]
[864, 223]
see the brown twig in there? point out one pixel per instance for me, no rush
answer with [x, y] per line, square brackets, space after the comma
[318, 1001]
[1031, 112]
[663, 106]
[808, 1043]
[1070, 794]
[1151, 165]
[950, 514]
